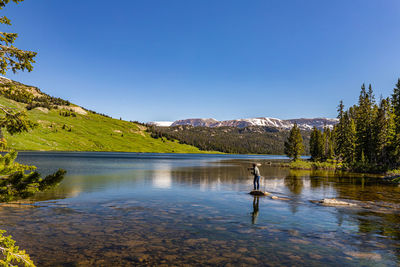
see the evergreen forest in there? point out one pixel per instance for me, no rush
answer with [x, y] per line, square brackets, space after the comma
[367, 136]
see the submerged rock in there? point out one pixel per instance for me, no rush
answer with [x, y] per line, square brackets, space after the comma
[259, 193]
[364, 255]
[280, 198]
[335, 202]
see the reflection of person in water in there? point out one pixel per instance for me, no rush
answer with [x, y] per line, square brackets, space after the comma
[254, 214]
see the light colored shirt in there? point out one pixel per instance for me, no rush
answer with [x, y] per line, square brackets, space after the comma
[256, 171]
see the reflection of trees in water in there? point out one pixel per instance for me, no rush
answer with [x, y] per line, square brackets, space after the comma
[76, 184]
[294, 182]
[373, 225]
[319, 179]
[379, 221]
[364, 189]
[383, 215]
[381, 224]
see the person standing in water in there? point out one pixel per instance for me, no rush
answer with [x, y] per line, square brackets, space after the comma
[256, 172]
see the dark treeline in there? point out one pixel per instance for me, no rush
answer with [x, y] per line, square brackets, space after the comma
[249, 140]
[23, 94]
[367, 137]
[94, 112]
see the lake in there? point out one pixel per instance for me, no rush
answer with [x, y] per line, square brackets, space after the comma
[128, 209]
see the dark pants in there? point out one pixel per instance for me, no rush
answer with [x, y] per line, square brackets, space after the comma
[256, 181]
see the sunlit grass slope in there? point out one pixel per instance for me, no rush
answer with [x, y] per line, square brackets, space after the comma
[90, 132]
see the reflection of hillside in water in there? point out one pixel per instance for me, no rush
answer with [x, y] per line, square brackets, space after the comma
[74, 185]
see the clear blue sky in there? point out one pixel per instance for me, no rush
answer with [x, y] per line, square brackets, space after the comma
[167, 60]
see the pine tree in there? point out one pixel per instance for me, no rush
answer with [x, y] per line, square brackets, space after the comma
[316, 145]
[349, 144]
[313, 142]
[12, 58]
[361, 123]
[328, 151]
[396, 105]
[12, 255]
[344, 135]
[294, 145]
[339, 132]
[364, 119]
[396, 118]
[384, 134]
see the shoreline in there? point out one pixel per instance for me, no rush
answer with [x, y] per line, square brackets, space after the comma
[390, 176]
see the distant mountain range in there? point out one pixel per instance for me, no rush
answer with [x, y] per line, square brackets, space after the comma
[304, 124]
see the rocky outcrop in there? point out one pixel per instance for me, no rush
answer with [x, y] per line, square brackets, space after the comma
[76, 109]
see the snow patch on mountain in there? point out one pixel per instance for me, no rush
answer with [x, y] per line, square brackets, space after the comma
[161, 123]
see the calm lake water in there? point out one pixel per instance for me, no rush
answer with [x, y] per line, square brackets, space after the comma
[125, 209]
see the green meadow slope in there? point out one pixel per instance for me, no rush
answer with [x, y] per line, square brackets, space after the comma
[66, 127]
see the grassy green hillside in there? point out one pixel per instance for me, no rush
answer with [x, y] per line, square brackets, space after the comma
[71, 128]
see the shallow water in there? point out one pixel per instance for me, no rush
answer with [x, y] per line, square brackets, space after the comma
[122, 209]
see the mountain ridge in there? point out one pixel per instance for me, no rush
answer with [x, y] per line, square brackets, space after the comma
[303, 123]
